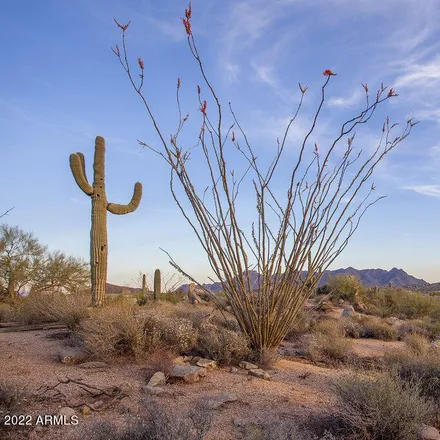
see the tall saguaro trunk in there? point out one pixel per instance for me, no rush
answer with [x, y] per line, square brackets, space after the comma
[100, 206]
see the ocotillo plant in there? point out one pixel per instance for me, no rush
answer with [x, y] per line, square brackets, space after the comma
[156, 288]
[100, 206]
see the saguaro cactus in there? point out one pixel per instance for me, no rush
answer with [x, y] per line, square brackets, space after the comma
[156, 288]
[144, 286]
[100, 206]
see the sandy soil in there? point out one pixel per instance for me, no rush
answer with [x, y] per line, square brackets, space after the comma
[296, 387]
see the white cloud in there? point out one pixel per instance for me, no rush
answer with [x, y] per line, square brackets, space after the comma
[426, 190]
[348, 101]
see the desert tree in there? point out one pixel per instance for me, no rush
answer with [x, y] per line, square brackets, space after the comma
[297, 233]
[59, 272]
[21, 257]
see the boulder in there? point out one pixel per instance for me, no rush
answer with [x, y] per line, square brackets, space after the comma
[187, 373]
[348, 311]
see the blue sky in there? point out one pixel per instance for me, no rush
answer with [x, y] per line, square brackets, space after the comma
[61, 86]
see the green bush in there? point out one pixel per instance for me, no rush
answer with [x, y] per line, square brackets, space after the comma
[363, 326]
[346, 287]
[382, 407]
[404, 304]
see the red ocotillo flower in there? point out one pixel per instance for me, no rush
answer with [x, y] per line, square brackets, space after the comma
[365, 86]
[178, 83]
[188, 11]
[392, 93]
[141, 63]
[233, 137]
[328, 72]
[198, 90]
[187, 25]
[203, 108]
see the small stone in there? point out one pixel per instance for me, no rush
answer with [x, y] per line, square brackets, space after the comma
[207, 363]
[67, 413]
[92, 365]
[157, 379]
[217, 400]
[72, 356]
[179, 360]
[195, 359]
[261, 374]
[348, 311]
[188, 358]
[247, 365]
[86, 410]
[98, 404]
[428, 433]
[233, 370]
[158, 391]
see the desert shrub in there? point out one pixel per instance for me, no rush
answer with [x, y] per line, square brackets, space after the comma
[363, 326]
[113, 331]
[70, 310]
[413, 327]
[160, 358]
[418, 343]
[173, 297]
[11, 396]
[35, 309]
[330, 327]
[174, 332]
[382, 407]
[392, 301]
[422, 367]
[157, 424]
[223, 345]
[346, 287]
[7, 312]
[328, 348]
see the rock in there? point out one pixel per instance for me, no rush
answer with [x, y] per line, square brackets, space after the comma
[247, 365]
[97, 405]
[348, 311]
[188, 373]
[428, 433]
[261, 374]
[158, 391]
[341, 301]
[233, 370]
[92, 365]
[217, 400]
[188, 358]
[335, 312]
[206, 363]
[157, 379]
[195, 359]
[86, 410]
[67, 413]
[72, 356]
[179, 360]
[392, 320]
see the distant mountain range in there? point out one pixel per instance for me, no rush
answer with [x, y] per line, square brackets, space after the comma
[368, 277]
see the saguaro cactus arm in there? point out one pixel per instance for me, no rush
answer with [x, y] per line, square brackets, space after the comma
[115, 208]
[78, 167]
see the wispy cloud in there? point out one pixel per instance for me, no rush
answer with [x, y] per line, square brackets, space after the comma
[426, 190]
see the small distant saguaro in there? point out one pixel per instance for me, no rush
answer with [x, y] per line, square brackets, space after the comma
[100, 206]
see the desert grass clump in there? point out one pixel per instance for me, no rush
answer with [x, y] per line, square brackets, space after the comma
[382, 407]
[222, 345]
[157, 423]
[113, 332]
[422, 366]
[11, 396]
[363, 326]
[35, 309]
[7, 312]
[417, 343]
[70, 310]
[327, 343]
